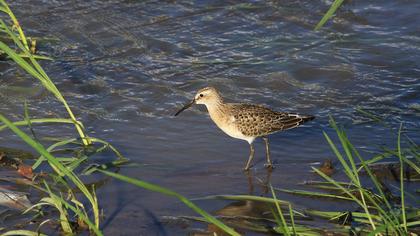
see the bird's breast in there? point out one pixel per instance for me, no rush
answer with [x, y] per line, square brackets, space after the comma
[227, 123]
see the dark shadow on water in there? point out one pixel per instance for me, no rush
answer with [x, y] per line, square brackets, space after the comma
[118, 209]
[156, 222]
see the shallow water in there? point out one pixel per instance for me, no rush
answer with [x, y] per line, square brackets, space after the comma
[125, 67]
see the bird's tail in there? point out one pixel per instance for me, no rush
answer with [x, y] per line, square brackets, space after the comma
[295, 120]
[307, 118]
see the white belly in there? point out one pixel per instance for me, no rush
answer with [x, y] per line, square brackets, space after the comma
[227, 125]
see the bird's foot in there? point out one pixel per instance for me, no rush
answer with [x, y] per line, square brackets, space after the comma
[269, 166]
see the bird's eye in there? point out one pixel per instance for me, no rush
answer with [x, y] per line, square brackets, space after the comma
[201, 95]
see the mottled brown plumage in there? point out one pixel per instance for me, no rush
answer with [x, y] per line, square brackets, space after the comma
[256, 121]
[246, 121]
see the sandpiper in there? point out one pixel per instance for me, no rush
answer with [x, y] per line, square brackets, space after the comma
[246, 121]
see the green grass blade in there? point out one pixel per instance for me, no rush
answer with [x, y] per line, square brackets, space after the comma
[343, 162]
[370, 115]
[40, 57]
[345, 190]
[338, 214]
[40, 121]
[334, 6]
[21, 62]
[22, 233]
[28, 120]
[314, 194]
[345, 144]
[97, 140]
[404, 217]
[378, 206]
[292, 219]
[15, 23]
[53, 201]
[51, 148]
[388, 216]
[280, 213]
[411, 164]
[80, 214]
[375, 159]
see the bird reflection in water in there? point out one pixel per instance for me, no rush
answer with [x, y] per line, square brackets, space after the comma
[247, 215]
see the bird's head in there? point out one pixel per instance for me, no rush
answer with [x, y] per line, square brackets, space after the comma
[208, 96]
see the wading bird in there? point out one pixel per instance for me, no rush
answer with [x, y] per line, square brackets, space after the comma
[246, 121]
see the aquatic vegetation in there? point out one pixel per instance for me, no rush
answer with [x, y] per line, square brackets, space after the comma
[283, 227]
[383, 215]
[62, 172]
[379, 211]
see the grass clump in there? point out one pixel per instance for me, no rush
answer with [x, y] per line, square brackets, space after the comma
[379, 213]
[64, 175]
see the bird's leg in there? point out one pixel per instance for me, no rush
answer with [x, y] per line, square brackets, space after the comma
[267, 150]
[251, 156]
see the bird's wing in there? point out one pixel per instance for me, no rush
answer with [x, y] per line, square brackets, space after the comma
[254, 120]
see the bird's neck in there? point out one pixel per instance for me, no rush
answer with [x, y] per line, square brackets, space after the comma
[216, 109]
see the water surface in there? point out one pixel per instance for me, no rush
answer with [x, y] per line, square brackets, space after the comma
[125, 67]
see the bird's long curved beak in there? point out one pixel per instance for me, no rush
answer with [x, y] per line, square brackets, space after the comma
[185, 107]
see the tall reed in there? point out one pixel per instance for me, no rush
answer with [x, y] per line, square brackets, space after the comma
[32, 66]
